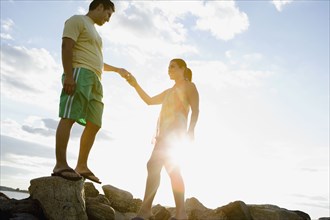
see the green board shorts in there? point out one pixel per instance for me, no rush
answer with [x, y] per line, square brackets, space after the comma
[86, 102]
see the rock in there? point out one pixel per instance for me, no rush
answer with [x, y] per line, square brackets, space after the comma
[121, 200]
[99, 211]
[90, 190]
[208, 214]
[272, 212]
[59, 198]
[12, 208]
[135, 205]
[194, 204]
[236, 210]
[99, 199]
[23, 216]
[196, 210]
[160, 212]
[3, 196]
[304, 215]
[98, 208]
[125, 216]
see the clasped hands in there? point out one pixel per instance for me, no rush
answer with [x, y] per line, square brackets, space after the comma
[128, 76]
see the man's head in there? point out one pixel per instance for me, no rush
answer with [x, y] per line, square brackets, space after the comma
[101, 10]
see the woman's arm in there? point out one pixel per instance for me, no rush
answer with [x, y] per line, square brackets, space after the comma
[155, 100]
[193, 98]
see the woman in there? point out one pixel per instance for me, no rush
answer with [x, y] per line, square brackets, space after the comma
[172, 127]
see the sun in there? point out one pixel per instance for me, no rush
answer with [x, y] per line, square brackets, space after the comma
[179, 151]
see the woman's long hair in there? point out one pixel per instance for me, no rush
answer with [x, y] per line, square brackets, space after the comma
[187, 72]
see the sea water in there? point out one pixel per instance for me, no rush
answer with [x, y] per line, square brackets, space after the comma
[16, 195]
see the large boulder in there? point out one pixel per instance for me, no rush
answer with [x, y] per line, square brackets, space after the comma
[28, 209]
[193, 204]
[161, 213]
[196, 210]
[98, 208]
[121, 200]
[272, 212]
[236, 210]
[90, 190]
[59, 198]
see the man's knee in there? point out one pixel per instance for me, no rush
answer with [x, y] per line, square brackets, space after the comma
[92, 126]
[67, 122]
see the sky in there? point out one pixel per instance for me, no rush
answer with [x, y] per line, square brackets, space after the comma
[261, 69]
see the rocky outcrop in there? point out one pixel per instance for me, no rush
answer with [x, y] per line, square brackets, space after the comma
[28, 209]
[99, 208]
[271, 212]
[121, 200]
[57, 198]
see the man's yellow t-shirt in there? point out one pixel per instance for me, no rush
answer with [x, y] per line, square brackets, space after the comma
[87, 51]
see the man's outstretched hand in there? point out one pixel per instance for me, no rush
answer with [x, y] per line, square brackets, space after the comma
[131, 80]
[123, 73]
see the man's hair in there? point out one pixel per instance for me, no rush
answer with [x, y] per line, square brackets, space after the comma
[107, 4]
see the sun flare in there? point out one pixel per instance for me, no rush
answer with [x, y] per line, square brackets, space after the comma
[179, 151]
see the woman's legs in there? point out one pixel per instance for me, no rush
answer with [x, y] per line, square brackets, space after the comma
[178, 189]
[154, 167]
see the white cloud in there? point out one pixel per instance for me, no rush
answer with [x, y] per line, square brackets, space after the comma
[32, 129]
[218, 74]
[29, 74]
[11, 128]
[82, 11]
[163, 28]
[279, 4]
[6, 36]
[7, 24]
[29, 163]
[252, 57]
[222, 18]
[6, 28]
[146, 28]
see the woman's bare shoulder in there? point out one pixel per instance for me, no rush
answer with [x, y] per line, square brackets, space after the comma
[190, 85]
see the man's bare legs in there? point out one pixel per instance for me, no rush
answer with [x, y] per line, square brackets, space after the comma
[62, 139]
[86, 143]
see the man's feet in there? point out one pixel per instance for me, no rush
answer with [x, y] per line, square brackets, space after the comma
[67, 173]
[87, 174]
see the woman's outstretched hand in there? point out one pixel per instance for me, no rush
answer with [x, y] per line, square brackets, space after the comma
[123, 72]
[128, 76]
[131, 80]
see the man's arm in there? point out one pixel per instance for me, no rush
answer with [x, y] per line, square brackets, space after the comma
[121, 71]
[67, 53]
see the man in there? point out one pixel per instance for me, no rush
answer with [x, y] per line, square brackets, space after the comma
[81, 97]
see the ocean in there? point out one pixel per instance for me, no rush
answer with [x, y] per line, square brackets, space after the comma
[15, 195]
